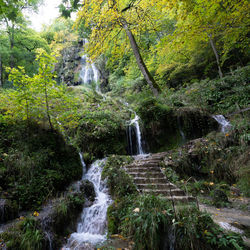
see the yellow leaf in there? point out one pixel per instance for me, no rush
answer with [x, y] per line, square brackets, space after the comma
[36, 214]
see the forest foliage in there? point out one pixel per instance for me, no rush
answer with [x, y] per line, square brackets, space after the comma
[189, 54]
[177, 39]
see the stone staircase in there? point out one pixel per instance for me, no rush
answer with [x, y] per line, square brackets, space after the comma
[149, 178]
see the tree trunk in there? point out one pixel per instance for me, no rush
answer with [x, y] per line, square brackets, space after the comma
[1, 72]
[216, 55]
[11, 37]
[148, 77]
[47, 108]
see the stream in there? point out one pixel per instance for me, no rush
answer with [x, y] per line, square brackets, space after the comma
[92, 226]
[225, 125]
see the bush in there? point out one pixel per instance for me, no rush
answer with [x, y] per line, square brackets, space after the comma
[147, 220]
[26, 235]
[119, 182]
[217, 96]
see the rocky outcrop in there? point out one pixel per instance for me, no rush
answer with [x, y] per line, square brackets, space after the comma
[165, 128]
[69, 66]
[149, 178]
[8, 210]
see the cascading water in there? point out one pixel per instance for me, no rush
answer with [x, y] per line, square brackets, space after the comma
[224, 124]
[84, 169]
[183, 137]
[92, 226]
[133, 131]
[89, 72]
[135, 127]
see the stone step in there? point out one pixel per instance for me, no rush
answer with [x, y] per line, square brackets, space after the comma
[156, 185]
[158, 155]
[180, 198]
[143, 170]
[148, 177]
[144, 180]
[141, 165]
[174, 192]
[147, 174]
[149, 161]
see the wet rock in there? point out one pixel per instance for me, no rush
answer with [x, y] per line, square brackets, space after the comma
[195, 123]
[8, 210]
[166, 128]
[87, 188]
[69, 64]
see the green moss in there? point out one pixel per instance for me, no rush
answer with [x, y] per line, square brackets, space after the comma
[112, 220]
[163, 126]
[101, 131]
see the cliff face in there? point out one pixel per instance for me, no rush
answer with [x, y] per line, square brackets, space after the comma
[69, 64]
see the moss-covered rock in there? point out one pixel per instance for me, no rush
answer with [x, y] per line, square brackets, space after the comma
[166, 128]
[217, 161]
[8, 210]
[195, 122]
[68, 66]
[219, 197]
[87, 188]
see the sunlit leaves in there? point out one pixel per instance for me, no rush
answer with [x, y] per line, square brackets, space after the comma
[38, 98]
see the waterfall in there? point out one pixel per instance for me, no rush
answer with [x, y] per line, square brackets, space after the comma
[224, 124]
[84, 169]
[89, 72]
[92, 226]
[183, 137]
[2, 209]
[134, 134]
[134, 123]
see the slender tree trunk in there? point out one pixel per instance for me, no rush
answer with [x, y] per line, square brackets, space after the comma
[47, 107]
[148, 77]
[216, 55]
[11, 35]
[1, 72]
[10, 30]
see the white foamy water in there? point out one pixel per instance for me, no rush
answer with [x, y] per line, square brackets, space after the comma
[229, 227]
[135, 122]
[92, 226]
[224, 124]
[89, 72]
[84, 169]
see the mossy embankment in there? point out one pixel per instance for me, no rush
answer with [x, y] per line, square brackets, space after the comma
[36, 164]
[165, 127]
[49, 227]
[217, 161]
